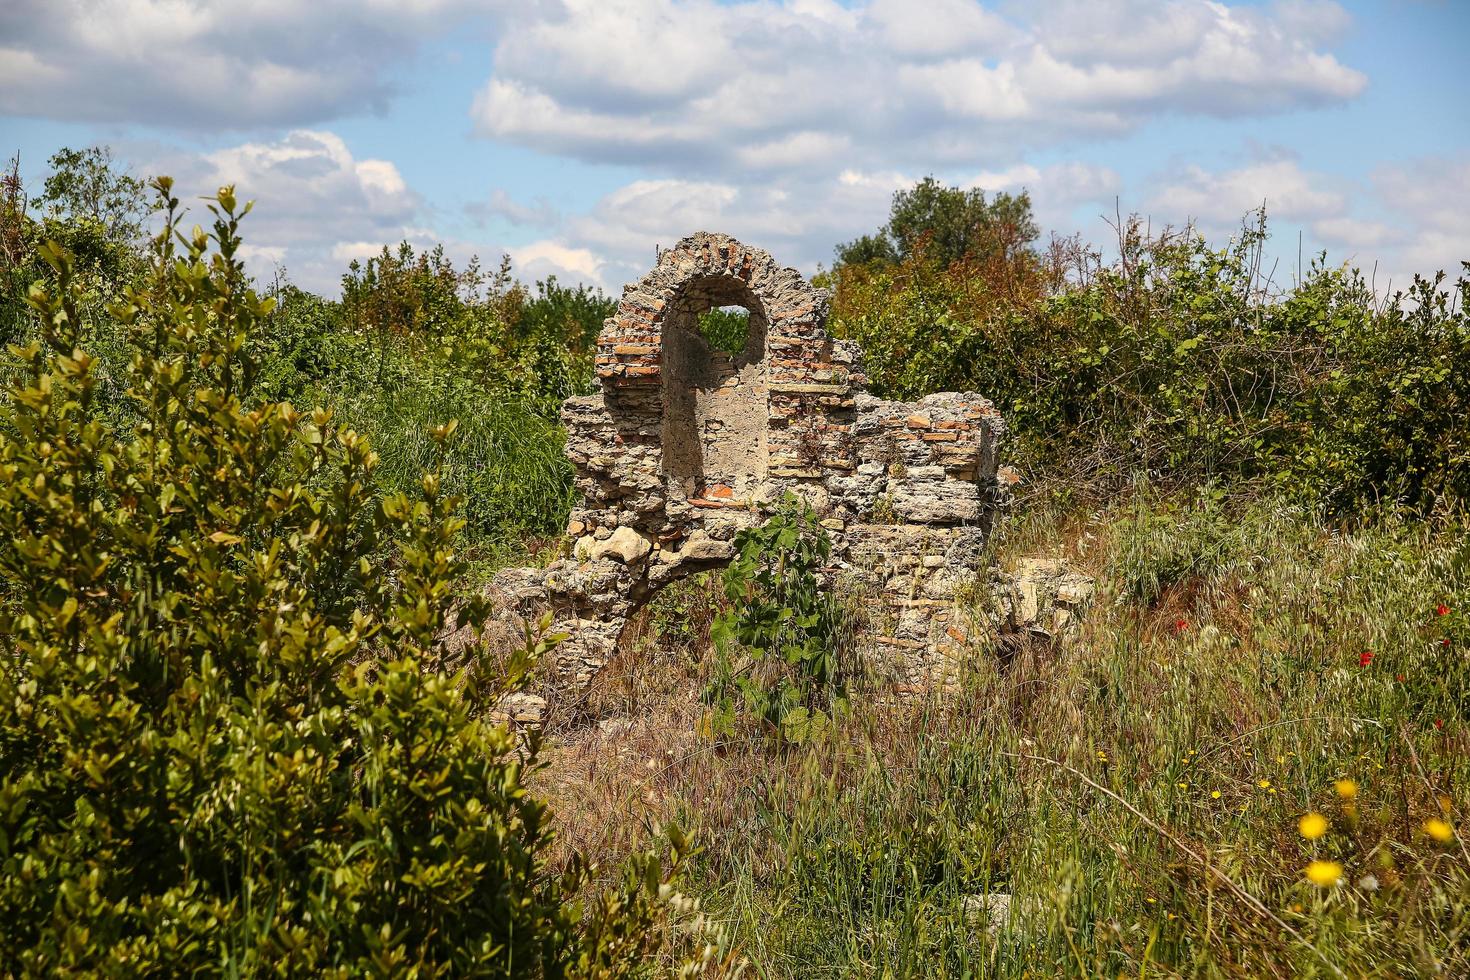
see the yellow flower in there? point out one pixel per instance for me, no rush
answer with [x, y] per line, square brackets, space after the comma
[1184, 786]
[1346, 788]
[1312, 826]
[1264, 783]
[1439, 830]
[1215, 795]
[1324, 874]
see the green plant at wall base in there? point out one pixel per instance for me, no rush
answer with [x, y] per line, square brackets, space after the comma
[232, 740]
[777, 644]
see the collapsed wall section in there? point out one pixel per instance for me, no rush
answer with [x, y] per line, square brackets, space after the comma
[684, 445]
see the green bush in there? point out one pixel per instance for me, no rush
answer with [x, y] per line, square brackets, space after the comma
[778, 643]
[232, 738]
[1182, 362]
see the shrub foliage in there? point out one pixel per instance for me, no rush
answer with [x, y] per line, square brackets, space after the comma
[231, 738]
[1185, 362]
[778, 642]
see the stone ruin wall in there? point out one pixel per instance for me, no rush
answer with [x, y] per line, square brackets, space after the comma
[683, 444]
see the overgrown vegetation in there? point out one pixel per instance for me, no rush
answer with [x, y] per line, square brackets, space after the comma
[1182, 362]
[778, 644]
[1131, 805]
[233, 737]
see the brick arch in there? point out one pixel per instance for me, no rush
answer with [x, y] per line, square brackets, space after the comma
[630, 346]
[659, 381]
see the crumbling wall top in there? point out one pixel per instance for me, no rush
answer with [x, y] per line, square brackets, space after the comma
[702, 271]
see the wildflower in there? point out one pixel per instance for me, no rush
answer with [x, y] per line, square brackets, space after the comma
[1365, 658]
[1439, 830]
[1183, 785]
[1264, 783]
[1180, 625]
[1441, 610]
[1346, 788]
[1215, 795]
[1445, 642]
[1368, 883]
[1439, 723]
[1312, 826]
[1399, 677]
[1324, 874]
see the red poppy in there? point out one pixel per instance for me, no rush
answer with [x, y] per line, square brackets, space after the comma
[1442, 610]
[1439, 723]
[1180, 625]
[1365, 658]
[1445, 642]
[1399, 678]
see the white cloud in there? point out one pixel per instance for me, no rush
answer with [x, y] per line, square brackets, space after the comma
[547, 258]
[1223, 198]
[1398, 222]
[939, 28]
[1426, 197]
[712, 87]
[799, 221]
[318, 206]
[210, 65]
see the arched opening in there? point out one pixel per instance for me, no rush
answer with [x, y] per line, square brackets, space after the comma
[714, 391]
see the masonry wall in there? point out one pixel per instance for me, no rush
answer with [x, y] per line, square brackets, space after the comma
[683, 445]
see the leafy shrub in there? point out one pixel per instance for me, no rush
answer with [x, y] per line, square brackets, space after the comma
[232, 740]
[1184, 362]
[778, 642]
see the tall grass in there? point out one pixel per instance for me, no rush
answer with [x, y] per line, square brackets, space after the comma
[505, 461]
[1135, 796]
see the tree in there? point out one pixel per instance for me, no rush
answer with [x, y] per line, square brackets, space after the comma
[96, 211]
[946, 225]
[88, 185]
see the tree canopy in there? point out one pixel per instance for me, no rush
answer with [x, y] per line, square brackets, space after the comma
[946, 224]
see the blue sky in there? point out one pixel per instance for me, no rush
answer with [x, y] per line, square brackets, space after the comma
[577, 135]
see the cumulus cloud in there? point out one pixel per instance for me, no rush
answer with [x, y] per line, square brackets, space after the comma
[1424, 197]
[1281, 185]
[717, 87]
[787, 122]
[319, 206]
[799, 221]
[209, 65]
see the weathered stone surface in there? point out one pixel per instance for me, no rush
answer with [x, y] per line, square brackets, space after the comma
[1044, 597]
[684, 444]
[624, 544]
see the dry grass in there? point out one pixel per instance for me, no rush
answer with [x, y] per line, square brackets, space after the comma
[1113, 788]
